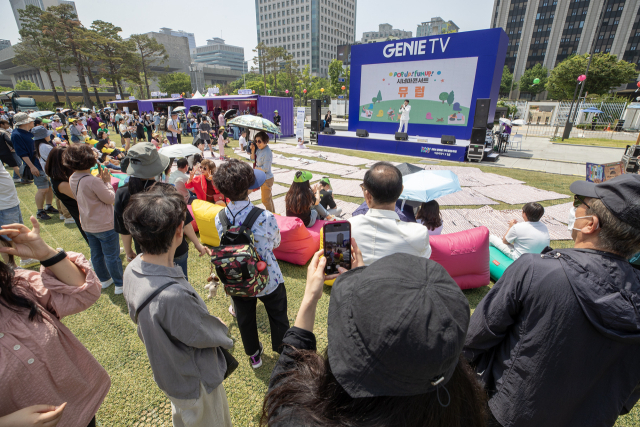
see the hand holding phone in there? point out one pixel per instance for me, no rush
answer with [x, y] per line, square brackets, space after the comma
[337, 246]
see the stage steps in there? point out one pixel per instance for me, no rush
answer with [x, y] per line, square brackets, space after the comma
[490, 155]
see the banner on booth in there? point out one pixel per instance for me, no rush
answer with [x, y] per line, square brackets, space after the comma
[300, 114]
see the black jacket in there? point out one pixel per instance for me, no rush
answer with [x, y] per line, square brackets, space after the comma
[557, 340]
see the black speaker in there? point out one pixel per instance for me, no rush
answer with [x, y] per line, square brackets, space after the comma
[478, 135]
[329, 131]
[316, 114]
[362, 133]
[448, 139]
[401, 136]
[481, 117]
[630, 159]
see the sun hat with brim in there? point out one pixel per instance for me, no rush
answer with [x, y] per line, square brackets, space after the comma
[302, 176]
[21, 119]
[261, 177]
[55, 118]
[40, 132]
[621, 196]
[143, 161]
[396, 327]
[173, 113]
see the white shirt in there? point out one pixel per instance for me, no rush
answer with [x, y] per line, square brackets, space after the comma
[8, 194]
[172, 124]
[528, 238]
[405, 112]
[179, 179]
[243, 142]
[379, 233]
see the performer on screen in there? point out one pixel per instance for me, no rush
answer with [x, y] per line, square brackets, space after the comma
[404, 119]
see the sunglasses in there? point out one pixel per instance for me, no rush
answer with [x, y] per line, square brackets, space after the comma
[579, 200]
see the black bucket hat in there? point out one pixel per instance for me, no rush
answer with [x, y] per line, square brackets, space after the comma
[396, 327]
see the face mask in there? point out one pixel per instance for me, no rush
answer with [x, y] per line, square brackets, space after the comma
[572, 219]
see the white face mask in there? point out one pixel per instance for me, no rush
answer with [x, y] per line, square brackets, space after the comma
[573, 217]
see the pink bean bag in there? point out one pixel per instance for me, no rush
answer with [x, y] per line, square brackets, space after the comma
[194, 224]
[465, 256]
[298, 243]
[114, 183]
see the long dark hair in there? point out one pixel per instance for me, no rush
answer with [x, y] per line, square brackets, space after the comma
[14, 294]
[299, 198]
[430, 215]
[38, 142]
[315, 397]
[55, 168]
[138, 185]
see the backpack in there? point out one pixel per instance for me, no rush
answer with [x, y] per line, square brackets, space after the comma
[163, 124]
[236, 261]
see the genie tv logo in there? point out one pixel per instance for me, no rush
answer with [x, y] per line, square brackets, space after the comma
[415, 47]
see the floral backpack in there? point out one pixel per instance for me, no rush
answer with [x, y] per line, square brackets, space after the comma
[236, 261]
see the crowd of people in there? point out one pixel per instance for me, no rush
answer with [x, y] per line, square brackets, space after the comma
[555, 342]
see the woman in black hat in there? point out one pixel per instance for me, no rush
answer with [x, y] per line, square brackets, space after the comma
[395, 331]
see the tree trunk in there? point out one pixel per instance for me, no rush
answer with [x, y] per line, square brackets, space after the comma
[120, 88]
[53, 87]
[93, 82]
[64, 87]
[146, 80]
[83, 82]
[264, 74]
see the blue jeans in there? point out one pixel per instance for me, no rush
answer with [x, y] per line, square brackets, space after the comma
[181, 262]
[19, 161]
[105, 255]
[11, 216]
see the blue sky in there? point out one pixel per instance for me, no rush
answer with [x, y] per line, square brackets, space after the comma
[235, 20]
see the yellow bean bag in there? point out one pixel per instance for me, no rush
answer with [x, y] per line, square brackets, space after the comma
[205, 215]
[326, 282]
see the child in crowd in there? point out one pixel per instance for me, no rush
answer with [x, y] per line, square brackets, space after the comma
[429, 215]
[103, 128]
[243, 140]
[326, 197]
[221, 143]
[155, 140]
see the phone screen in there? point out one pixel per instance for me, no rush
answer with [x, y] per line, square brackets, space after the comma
[337, 246]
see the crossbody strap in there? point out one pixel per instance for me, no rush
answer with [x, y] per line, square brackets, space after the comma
[78, 184]
[152, 296]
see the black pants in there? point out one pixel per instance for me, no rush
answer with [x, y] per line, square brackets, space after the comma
[276, 305]
[92, 423]
[149, 131]
[179, 139]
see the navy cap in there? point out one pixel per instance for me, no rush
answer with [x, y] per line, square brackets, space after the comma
[261, 177]
[621, 196]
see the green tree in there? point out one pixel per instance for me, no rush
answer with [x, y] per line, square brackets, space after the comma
[151, 53]
[605, 73]
[379, 97]
[443, 96]
[175, 83]
[26, 85]
[335, 73]
[260, 60]
[32, 50]
[5, 89]
[505, 82]
[526, 81]
[60, 56]
[110, 50]
[450, 98]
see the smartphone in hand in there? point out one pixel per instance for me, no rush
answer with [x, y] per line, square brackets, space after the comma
[336, 241]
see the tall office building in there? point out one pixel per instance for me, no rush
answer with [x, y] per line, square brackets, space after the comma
[217, 52]
[179, 33]
[4, 44]
[384, 32]
[436, 26]
[549, 31]
[42, 4]
[310, 30]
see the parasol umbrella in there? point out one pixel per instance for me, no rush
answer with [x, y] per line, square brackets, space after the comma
[254, 122]
[230, 113]
[591, 110]
[46, 121]
[85, 109]
[178, 109]
[41, 114]
[179, 150]
[66, 109]
[505, 121]
[518, 122]
[424, 186]
[408, 168]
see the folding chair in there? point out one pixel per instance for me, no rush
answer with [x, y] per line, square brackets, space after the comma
[516, 140]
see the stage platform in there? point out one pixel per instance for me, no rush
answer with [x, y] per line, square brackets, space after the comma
[419, 146]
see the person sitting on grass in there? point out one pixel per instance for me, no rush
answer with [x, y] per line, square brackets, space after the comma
[429, 215]
[183, 341]
[242, 142]
[302, 201]
[528, 237]
[105, 145]
[396, 330]
[48, 377]
[203, 184]
[326, 198]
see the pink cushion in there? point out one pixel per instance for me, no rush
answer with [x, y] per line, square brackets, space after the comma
[194, 224]
[298, 243]
[465, 256]
[114, 183]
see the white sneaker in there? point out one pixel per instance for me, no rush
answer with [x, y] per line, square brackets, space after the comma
[106, 284]
[62, 218]
[29, 262]
[119, 290]
[69, 221]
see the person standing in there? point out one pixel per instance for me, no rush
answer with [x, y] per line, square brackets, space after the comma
[221, 119]
[24, 144]
[8, 154]
[327, 119]
[221, 143]
[125, 135]
[94, 124]
[263, 158]
[148, 124]
[173, 128]
[404, 117]
[276, 121]
[205, 133]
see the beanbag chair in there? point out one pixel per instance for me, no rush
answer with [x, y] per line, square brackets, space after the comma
[205, 215]
[194, 223]
[298, 243]
[465, 256]
[498, 263]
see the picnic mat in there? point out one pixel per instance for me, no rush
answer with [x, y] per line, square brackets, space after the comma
[559, 212]
[332, 157]
[286, 176]
[347, 207]
[346, 187]
[276, 190]
[468, 196]
[453, 221]
[514, 194]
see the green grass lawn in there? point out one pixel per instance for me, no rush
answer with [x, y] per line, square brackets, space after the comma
[597, 142]
[107, 331]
